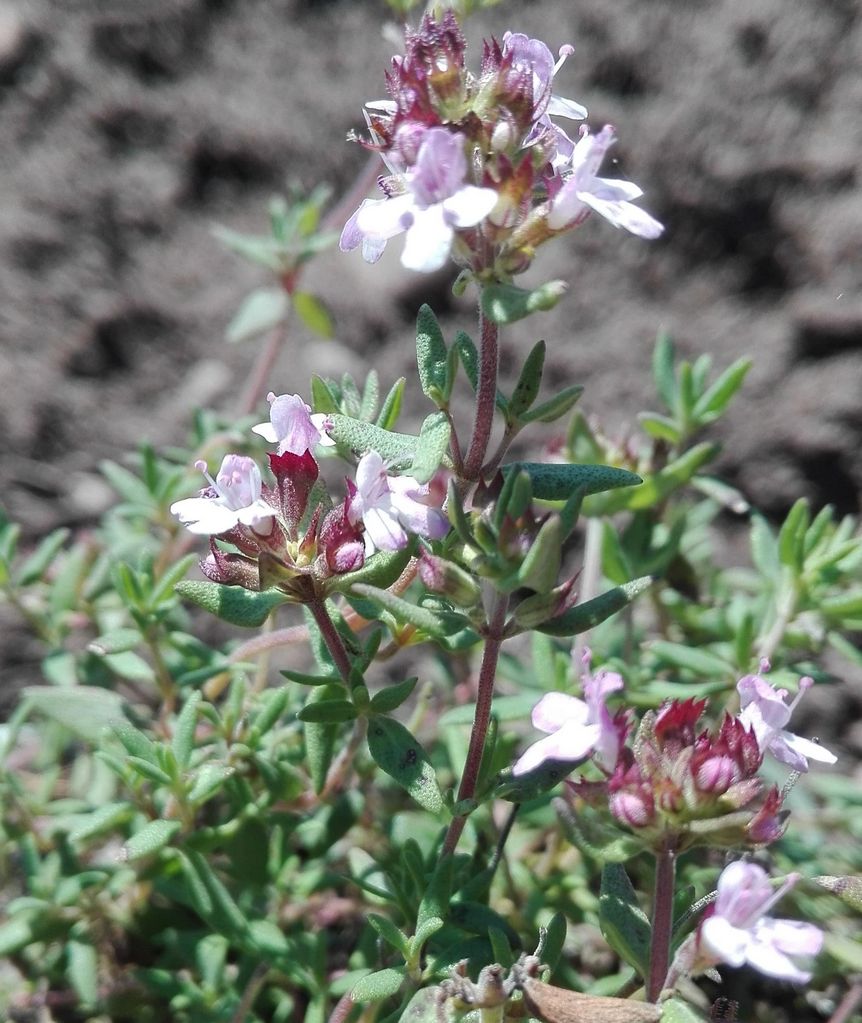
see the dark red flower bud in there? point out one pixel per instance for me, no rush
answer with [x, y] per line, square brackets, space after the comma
[230, 569]
[675, 722]
[295, 475]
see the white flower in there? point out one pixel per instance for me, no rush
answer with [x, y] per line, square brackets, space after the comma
[436, 203]
[391, 506]
[765, 712]
[292, 425]
[576, 728]
[582, 191]
[737, 931]
[233, 498]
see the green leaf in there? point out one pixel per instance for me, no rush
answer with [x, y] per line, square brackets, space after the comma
[320, 739]
[557, 482]
[660, 427]
[328, 712]
[232, 603]
[390, 933]
[677, 1010]
[380, 570]
[623, 923]
[84, 710]
[150, 839]
[273, 705]
[313, 313]
[37, 564]
[469, 357]
[430, 622]
[370, 397]
[764, 548]
[183, 740]
[210, 958]
[431, 447]
[129, 665]
[304, 679]
[106, 818]
[523, 788]
[146, 769]
[264, 251]
[323, 398]
[592, 612]
[390, 698]
[541, 566]
[224, 914]
[713, 402]
[114, 642]
[431, 354]
[423, 1007]
[791, 536]
[82, 969]
[702, 663]
[437, 894]
[663, 357]
[359, 437]
[166, 586]
[391, 409]
[507, 303]
[529, 382]
[615, 564]
[661, 485]
[374, 987]
[554, 408]
[16, 934]
[259, 312]
[402, 757]
[553, 938]
[429, 927]
[269, 938]
[848, 889]
[208, 781]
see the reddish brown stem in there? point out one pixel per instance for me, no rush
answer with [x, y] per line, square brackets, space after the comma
[331, 638]
[662, 920]
[482, 716]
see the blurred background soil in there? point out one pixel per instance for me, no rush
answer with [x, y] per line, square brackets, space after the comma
[128, 128]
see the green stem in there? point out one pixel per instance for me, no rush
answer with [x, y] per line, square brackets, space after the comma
[486, 396]
[482, 716]
[662, 920]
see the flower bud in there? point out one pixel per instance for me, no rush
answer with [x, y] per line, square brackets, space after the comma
[715, 774]
[447, 578]
[633, 808]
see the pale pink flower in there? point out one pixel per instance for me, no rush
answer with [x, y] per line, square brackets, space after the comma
[436, 203]
[765, 712]
[576, 727]
[534, 55]
[582, 191]
[233, 498]
[292, 425]
[737, 930]
[391, 507]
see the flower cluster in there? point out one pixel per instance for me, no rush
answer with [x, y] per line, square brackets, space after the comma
[676, 778]
[477, 167]
[289, 535]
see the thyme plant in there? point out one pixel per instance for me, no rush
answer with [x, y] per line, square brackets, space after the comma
[375, 832]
